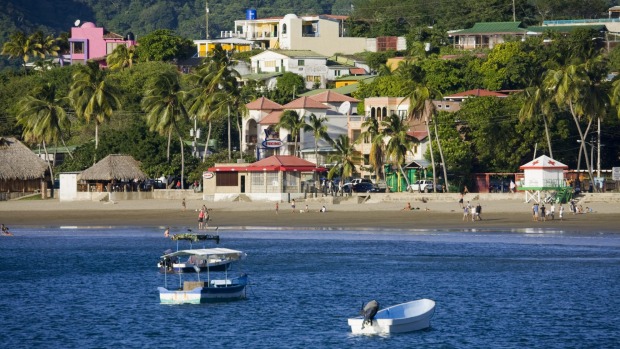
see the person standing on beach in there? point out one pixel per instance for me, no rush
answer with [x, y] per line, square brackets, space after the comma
[542, 213]
[183, 204]
[465, 213]
[167, 232]
[552, 211]
[277, 207]
[293, 205]
[201, 218]
[561, 212]
[479, 212]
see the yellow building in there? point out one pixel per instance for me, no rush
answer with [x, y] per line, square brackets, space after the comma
[228, 44]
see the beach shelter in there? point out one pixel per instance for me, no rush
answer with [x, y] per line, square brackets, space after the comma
[21, 170]
[542, 174]
[274, 178]
[114, 172]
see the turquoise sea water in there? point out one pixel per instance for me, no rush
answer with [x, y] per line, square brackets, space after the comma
[97, 288]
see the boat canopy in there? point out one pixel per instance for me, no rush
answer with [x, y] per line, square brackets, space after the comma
[224, 253]
[196, 237]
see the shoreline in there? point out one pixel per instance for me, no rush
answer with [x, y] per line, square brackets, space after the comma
[508, 215]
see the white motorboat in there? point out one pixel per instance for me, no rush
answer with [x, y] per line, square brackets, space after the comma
[405, 317]
[205, 286]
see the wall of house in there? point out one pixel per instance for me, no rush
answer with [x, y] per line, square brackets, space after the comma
[327, 41]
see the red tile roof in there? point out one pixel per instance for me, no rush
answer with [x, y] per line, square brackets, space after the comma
[272, 163]
[263, 104]
[271, 118]
[477, 93]
[331, 96]
[357, 71]
[419, 135]
[305, 103]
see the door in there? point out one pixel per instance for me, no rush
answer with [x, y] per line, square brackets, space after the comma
[242, 184]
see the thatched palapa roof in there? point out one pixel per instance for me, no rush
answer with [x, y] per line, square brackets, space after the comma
[119, 167]
[18, 162]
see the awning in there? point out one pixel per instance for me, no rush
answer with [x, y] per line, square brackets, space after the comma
[422, 163]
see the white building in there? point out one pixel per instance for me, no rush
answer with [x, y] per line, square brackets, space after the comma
[310, 65]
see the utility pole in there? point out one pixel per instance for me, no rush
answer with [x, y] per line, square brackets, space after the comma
[598, 150]
[207, 17]
[514, 13]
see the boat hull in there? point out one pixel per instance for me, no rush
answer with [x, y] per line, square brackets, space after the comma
[183, 268]
[405, 317]
[215, 291]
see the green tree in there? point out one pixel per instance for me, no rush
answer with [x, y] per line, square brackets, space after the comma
[344, 158]
[317, 126]
[164, 45]
[399, 143]
[537, 103]
[93, 97]
[288, 87]
[122, 57]
[22, 47]
[372, 131]
[294, 123]
[43, 118]
[164, 109]
[584, 96]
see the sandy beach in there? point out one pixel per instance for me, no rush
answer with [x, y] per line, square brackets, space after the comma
[504, 213]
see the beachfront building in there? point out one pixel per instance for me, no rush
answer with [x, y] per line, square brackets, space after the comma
[203, 47]
[115, 177]
[22, 172]
[382, 108]
[276, 178]
[261, 135]
[89, 42]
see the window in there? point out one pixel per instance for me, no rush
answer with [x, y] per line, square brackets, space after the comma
[226, 179]
[111, 46]
[269, 64]
[313, 78]
[258, 179]
[301, 62]
[283, 28]
[366, 159]
[78, 47]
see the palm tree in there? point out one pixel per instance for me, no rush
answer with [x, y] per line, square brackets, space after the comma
[92, 96]
[537, 103]
[345, 157]
[422, 107]
[43, 118]
[292, 122]
[122, 57]
[399, 143]
[317, 126]
[377, 145]
[215, 90]
[163, 104]
[572, 87]
[45, 45]
[20, 46]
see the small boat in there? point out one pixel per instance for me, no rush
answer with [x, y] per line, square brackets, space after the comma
[175, 265]
[405, 317]
[209, 286]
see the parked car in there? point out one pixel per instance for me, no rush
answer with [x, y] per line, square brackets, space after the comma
[425, 186]
[365, 187]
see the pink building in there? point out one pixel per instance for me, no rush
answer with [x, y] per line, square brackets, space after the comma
[91, 42]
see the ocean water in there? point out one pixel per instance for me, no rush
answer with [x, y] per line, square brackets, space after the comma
[97, 288]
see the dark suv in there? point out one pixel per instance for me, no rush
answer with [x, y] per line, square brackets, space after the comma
[365, 187]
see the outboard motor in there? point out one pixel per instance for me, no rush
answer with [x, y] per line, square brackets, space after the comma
[369, 311]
